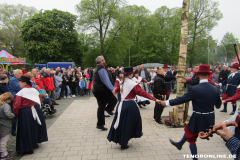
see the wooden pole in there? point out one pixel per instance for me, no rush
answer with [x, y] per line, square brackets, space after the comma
[182, 59]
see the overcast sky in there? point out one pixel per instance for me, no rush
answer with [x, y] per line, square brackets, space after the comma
[229, 8]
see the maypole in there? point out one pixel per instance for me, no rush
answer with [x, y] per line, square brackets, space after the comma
[180, 113]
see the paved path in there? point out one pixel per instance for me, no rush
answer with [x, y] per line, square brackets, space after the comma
[73, 136]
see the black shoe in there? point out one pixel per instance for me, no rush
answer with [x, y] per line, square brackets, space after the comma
[124, 147]
[102, 128]
[144, 104]
[223, 110]
[232, 113]
[160, 122]
[110, 113]
[139, 105]
[13, 133]
[52, 112]
[175, 144]
[142, 134]
[56, 103]
[58, 98]
[106, 115]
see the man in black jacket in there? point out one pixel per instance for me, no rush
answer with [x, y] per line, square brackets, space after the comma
[159, 92]
[194, 80]
[223, 74]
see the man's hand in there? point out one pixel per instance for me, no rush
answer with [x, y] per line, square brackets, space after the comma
[163, 103]
[177, 76]
[217, 85]
[158, 101]
[114, 92]
[220, 78]
[148, 83]
[224, 101]
[224, 132]
[183, 80]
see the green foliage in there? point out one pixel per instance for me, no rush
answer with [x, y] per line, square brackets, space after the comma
[11, 19]
[203, 17]
[51, 36]
[226, 48]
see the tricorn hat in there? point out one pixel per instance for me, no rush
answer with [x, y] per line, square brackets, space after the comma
[128, 70]
[165, 66]
[235, 65]
[204, 69]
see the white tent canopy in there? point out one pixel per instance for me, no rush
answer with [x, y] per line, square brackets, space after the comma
[152, 65]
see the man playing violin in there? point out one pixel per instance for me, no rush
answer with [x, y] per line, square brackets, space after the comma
[204, 97]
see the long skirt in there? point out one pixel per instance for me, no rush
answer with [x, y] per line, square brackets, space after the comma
[130, 124]
[29, 132]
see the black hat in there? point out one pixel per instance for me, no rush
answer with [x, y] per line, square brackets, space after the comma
[119, 72]
[25, 79]
[128, 70]
[136, 72]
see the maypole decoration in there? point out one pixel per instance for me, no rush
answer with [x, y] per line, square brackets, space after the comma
[179, 114]
[7, 59]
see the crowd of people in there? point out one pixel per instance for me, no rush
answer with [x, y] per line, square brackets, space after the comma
[22, 94]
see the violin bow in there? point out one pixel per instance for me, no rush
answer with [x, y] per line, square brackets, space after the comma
[237, 51]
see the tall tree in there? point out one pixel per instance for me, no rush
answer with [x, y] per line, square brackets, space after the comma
[98, 16]
[204, 15]
[51, 36]
[226, 48]
[11, 19]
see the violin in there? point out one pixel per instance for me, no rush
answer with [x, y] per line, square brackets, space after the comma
[209, 132]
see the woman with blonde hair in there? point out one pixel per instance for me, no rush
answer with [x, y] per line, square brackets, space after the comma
[127, 122]
[6, 117]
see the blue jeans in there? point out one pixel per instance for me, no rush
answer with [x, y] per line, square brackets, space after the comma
[149, 88]
[67, 89]
[58, 91]
[88, 92]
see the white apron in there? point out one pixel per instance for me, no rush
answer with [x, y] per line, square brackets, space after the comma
[127, 87]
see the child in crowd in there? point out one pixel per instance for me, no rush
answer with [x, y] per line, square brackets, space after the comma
[3, 83]
[88, 87]
[47, 100]
[6, 116]
[81, 86]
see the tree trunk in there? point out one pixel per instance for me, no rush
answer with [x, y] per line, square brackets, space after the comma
[182, 59]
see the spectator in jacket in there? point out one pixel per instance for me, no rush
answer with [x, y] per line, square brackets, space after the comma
[3, 83]
[38, 80]
[58, 83]
[88, 87]
[73, 83]
[5, 120]
[65, 85]
[174, 73]
[215, 76]
[48, 82]
[188, 75]
[14, 87]
[145, 75]
[223, 74]
[81, 86]
[24, 71]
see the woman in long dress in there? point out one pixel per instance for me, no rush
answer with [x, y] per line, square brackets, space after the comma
[127, 122]
[31, 123]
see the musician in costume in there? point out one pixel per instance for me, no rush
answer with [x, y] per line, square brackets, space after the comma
[232, 143]
[127, 122]
[231, 83]
[140, 81]
[168, 73]
[204, 97]
[159, 91]
[31, 128]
